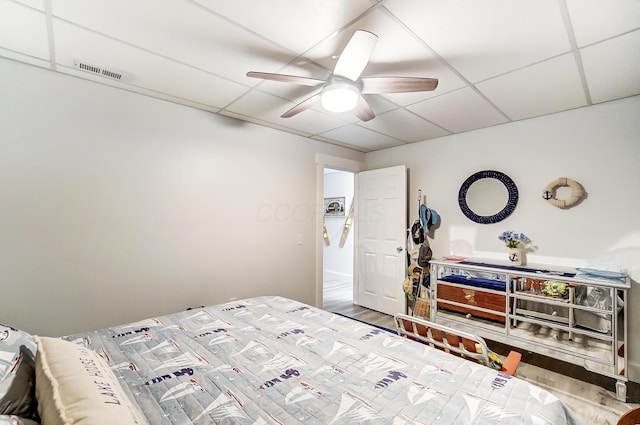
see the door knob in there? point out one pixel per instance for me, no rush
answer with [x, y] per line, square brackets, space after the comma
[399, 249]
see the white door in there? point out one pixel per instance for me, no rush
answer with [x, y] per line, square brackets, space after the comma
[381, 249]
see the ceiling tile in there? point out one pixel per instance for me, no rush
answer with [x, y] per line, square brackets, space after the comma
[14, 18]
[313, 122]
[482, 39]
[307, 22]
[261, 105]
[198, 37]
[361, 137]
[593, 21]
[405, 126]
[459, 111]
[406, 99]
[613, 67]
[338, 143]
[254, 120]
[544, 88]
[142, 69]
[36, 4]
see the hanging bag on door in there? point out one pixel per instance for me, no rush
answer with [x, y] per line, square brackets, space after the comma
[422, 308]
[424, 255]
[417, 232]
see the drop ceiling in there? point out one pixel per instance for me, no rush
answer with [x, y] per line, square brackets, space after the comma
[497, 61]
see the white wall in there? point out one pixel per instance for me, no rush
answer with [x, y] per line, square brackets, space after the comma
[599, 146]
[339, 260]
[115, 207]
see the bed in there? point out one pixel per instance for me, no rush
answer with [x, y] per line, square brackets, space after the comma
[264, 360]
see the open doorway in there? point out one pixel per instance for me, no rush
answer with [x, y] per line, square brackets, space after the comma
[338, 241]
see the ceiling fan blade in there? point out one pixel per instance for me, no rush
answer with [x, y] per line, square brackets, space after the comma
[363, 110]
[284, 78]
[371, 85]
[356, 54]
[305, 104]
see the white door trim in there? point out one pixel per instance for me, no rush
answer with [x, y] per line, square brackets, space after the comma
[338, 163]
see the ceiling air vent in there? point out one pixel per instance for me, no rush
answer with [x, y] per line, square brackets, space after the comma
[97, 70]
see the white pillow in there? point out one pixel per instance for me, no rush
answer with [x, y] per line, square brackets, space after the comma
[74, 385]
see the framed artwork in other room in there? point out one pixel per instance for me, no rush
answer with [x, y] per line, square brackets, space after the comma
[334, 207]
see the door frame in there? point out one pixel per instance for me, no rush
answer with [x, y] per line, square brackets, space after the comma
[337, 163]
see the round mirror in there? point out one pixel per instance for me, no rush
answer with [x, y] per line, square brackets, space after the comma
[488, 197]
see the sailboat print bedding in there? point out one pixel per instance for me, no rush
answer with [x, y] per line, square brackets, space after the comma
[272, 360]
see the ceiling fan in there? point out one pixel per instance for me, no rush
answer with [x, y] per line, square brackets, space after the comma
[343, 90]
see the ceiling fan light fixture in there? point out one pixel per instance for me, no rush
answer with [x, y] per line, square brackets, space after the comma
[339, 97]
[344, 89]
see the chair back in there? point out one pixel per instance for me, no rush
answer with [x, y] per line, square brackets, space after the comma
[631, 417]
[453, 341]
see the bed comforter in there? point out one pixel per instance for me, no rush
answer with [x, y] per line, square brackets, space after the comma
[272, 360]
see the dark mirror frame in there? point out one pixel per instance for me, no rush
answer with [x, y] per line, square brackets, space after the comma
[512, 200]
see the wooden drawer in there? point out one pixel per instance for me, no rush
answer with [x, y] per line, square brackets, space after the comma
[473, 298]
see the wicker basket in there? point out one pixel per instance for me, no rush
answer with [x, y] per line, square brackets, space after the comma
[422, 307]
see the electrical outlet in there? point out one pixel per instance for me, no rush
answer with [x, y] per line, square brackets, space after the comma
[299, 239]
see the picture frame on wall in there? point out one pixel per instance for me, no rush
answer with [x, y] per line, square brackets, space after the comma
[334, 207]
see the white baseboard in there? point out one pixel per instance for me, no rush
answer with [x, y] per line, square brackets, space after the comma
[633, 371]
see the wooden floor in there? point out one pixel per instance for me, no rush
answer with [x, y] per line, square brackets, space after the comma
[590, 396]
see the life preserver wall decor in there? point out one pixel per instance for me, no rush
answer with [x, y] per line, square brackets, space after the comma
[577, 192]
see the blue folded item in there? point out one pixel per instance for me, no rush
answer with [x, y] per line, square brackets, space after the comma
[475, 281]
[598, 273]
[519, 268]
